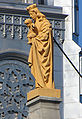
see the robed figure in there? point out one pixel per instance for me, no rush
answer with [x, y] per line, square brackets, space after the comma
[40, 56]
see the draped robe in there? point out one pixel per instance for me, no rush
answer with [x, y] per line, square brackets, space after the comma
[40, 56]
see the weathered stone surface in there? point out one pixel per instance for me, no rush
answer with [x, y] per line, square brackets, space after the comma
[44, 107]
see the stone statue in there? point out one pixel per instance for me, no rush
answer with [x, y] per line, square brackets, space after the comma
[40, 56]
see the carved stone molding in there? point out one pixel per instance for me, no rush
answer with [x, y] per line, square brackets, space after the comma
[13, 26]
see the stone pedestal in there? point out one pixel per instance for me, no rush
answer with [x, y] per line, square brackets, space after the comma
[44, 107]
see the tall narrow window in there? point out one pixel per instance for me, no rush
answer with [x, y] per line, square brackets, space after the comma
[80, 77]
[76, 16]
[76, 21]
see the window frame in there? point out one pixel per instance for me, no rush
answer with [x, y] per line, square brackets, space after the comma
[80, 79]
[76, 21]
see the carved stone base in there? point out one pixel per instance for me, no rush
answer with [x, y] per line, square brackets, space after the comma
[43, 92]
[44, 103]
[43, 107]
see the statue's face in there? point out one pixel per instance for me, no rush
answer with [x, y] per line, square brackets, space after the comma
[33, 15]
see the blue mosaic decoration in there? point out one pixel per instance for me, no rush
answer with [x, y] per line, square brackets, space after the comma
[15, 81]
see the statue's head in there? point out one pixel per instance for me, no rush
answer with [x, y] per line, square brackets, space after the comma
[31, 7]
[34, 11]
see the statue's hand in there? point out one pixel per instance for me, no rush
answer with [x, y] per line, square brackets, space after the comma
[31, 35]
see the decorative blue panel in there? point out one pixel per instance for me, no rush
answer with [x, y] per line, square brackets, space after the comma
[15, 81]
[80, 98]
[13, 26]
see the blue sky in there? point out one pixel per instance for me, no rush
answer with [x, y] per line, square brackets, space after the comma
[80, 22]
